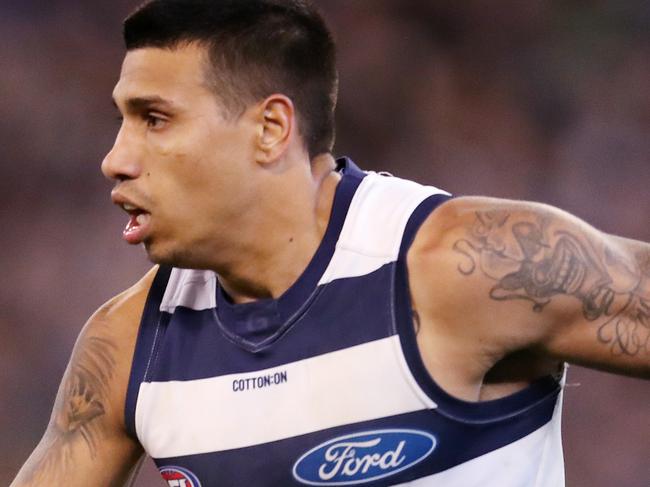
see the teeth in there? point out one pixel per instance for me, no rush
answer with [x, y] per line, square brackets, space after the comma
[142, 218]
[128, 207]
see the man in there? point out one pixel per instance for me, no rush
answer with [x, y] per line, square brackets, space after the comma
[310, 323]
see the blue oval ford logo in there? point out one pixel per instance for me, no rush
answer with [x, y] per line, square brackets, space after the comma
[363, 457]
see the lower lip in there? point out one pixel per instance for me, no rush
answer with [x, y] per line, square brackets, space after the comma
[136, 229]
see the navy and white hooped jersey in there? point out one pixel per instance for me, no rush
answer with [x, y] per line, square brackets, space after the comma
[325, 385]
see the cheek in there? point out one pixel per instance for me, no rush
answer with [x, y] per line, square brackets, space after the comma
[177, 162]
[200, 167]
[190, 186]
[166, 144]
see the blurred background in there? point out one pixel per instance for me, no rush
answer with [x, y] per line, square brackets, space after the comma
[539, 100]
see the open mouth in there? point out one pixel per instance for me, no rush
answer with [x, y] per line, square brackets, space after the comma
[138, 224]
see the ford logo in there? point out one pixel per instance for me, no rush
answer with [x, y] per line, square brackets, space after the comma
[363, 457]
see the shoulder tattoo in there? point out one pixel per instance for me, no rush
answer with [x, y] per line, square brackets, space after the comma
[532, 258]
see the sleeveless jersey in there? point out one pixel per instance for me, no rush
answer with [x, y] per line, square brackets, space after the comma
[325, 385]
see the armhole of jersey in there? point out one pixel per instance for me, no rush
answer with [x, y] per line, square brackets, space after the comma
[144, 346]
[541, 390]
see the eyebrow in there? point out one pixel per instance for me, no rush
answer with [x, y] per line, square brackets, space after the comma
[141, 103]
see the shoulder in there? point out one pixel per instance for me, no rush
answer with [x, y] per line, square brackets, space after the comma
[118, 319]
[460, 268]
[127, 304]
[462, 214]
[450, 238]
[486, 263]
[473, 253]
[499, 225]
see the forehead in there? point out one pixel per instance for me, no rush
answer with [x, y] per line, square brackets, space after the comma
[173, 74]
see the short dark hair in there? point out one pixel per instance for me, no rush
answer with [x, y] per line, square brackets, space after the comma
[255, 48]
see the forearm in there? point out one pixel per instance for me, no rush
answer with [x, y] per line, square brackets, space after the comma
[61, 460]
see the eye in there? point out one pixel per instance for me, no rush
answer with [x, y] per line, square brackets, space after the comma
[155, 121]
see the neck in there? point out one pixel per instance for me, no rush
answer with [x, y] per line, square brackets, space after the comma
[281, 239]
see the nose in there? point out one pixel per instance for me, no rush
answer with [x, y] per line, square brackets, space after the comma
[122, 162]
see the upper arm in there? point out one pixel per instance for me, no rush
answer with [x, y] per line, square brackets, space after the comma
[507, 275]
[86, 442]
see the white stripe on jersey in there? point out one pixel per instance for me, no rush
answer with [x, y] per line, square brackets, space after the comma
[360, 383]
[190, 288]
[372, 233]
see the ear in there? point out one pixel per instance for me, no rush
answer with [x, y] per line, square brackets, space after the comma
[275, 127]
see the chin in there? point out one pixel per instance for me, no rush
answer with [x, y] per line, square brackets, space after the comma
[170, 256]
[159, 255]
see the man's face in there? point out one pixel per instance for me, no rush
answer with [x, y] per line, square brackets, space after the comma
[179, 164]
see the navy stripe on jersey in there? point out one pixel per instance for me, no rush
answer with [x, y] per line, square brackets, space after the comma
[146, 341]
[187, 344]
[448, 405]
[457, 442]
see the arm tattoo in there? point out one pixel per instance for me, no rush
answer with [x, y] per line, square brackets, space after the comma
[533, 260]
[81, 402]
[86, 389]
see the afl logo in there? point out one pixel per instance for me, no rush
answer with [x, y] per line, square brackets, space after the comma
[179, 477]
[363, 457]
